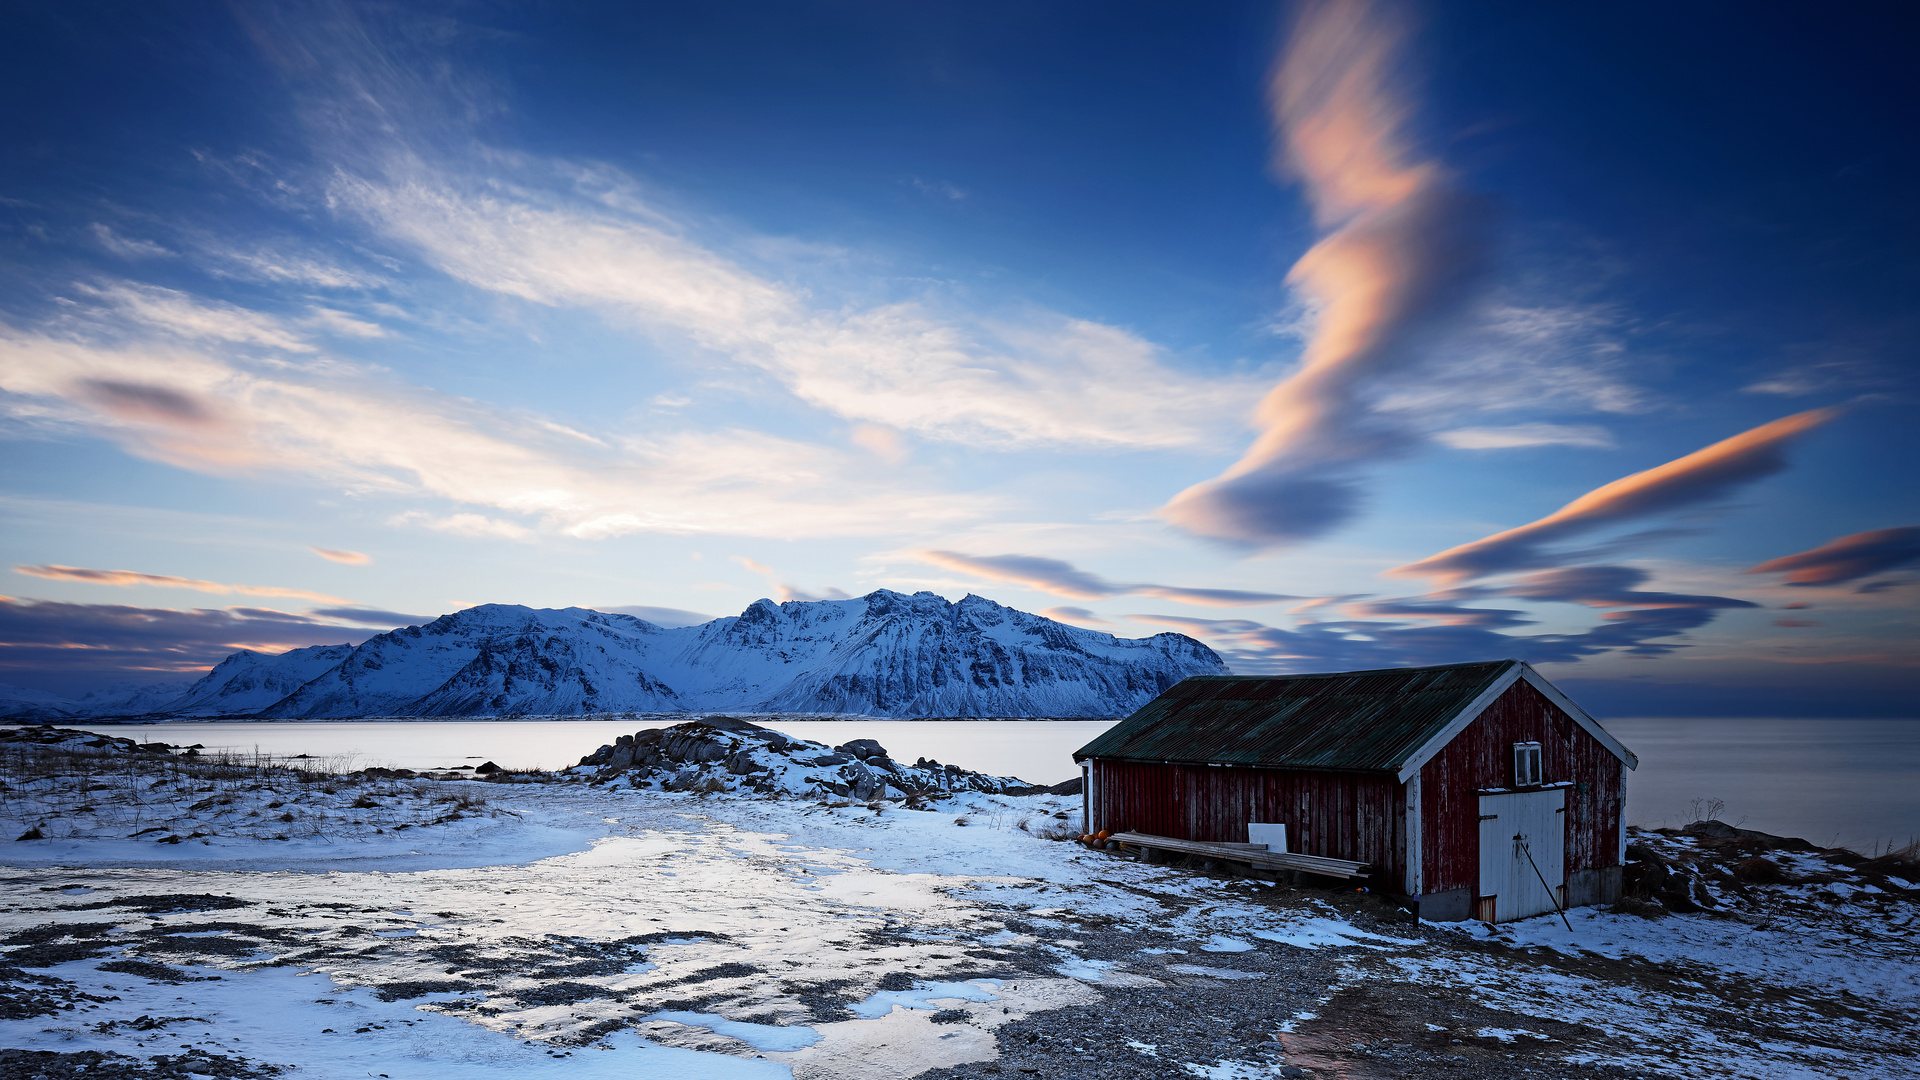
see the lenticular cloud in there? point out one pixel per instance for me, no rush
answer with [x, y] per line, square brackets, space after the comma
[1401, 249]
[1848, 558]
[1703, 475]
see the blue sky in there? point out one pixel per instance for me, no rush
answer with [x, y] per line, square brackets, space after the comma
[1336, 335]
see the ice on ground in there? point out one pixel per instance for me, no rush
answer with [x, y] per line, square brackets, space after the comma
[923, 996]
[1507, 1034]
[1214, 972]
[332, 1031]
[1312, 933]
[1225, 943]
[758, 1036]
[1225, 1069]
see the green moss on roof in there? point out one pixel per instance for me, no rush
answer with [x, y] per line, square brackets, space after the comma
[1348, 721]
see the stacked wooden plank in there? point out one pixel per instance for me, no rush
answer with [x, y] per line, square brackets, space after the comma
[1255, 855]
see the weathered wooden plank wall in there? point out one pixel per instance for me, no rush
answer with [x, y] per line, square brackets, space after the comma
[1482, 757]
[1343, 815]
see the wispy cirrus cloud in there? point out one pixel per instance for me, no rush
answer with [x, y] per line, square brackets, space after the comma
[405, 160]
[1400, 250]
[195, 319]
[126, 247]
[1848, 558]
[1041, 378]
[179, 381]
[1064, 579]
[1703, 475]
[56, 572]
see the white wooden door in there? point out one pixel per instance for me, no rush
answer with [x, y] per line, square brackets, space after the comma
[1523, 837]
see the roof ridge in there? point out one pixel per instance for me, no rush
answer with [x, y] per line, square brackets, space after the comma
[1358, 671]
[1370, 722]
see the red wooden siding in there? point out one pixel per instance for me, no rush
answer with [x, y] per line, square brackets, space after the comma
[1343, 815]
[1482, 757]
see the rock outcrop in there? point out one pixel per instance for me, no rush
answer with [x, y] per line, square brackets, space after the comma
[722, 753]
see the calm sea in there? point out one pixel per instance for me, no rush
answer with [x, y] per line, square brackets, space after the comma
[1851, 782]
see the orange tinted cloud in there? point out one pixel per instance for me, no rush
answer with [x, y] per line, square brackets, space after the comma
[1847, 558]
[1401, 248]
[350, 558]
[1337, 120]
[782, 591]
[1704, 474]
[56, 572]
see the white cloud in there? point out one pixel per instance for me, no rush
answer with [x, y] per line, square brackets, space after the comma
[194, 319]
[126, 247]
[267, 265]
[1516, 355]
[475, 525]
[945, 189]
[1517, 435]
[883, 442]
[205, 405]
[1046, 379]
[344, 325]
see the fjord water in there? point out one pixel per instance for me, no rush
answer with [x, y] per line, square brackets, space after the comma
[1849, 782]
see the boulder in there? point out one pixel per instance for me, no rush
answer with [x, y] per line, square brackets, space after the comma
[742, 762]
[861, 748]
[622, 755]
[694, 747]
[861, 782]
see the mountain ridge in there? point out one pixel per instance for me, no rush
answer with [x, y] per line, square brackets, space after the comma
[883, 654]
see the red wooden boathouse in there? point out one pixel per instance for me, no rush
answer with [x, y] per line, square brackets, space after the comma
[1475, 790]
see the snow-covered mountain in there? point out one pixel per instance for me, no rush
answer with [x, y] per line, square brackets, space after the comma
[883, 654]
[247, 682]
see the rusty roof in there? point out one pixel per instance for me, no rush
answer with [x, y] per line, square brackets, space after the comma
[1348, 720]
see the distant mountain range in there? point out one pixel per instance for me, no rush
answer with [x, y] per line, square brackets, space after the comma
[883, 654]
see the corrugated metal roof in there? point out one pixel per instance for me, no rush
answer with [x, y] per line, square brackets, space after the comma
[1349, 720]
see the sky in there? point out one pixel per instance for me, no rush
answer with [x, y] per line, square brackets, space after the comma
[1336, 335]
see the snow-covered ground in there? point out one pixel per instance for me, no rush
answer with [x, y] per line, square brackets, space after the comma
[580, 930]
